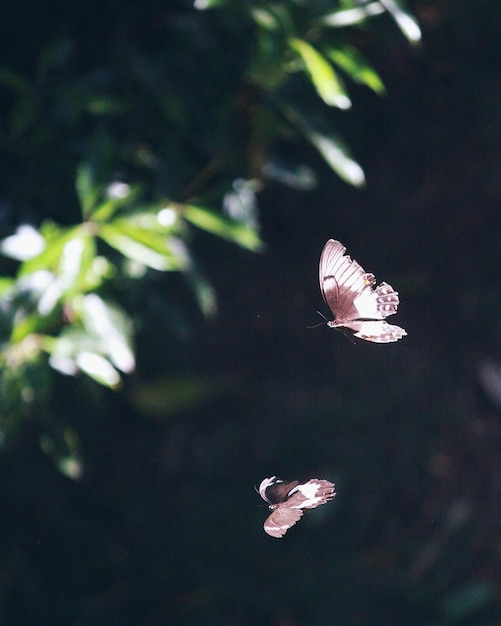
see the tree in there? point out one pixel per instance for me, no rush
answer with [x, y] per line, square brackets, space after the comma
[164, 129]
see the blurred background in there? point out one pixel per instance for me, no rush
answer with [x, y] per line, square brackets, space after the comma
[170, 173]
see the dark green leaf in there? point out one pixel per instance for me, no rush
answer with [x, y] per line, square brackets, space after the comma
[323, 76]
[356, 66]
[217, 224]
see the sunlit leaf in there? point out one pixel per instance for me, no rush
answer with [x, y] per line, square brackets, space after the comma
[142, 245]
[98, 368]
[349, 17]
[117, 195]
[337, 155]
[322, 74]
[356, 66]
[203, 5]
[76, 350]
[6, 285]
[218, 224]
[264, 18]
[405, 21]
[76, 264]
[112, 326]
[290, 174]
[25, 244]
[333, 150]
[49, 258]
[35, 297]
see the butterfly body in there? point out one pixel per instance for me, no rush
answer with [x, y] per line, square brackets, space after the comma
[358, 306]
[287, 499]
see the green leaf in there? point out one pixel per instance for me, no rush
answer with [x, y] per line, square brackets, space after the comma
[87, 190]
[105, 332]
[119, 195]
[98, 368]
[203, 291]
[56, 239]
[76, 262]
[143, 245]
[405, 21]
[337, 155]
[217, 224]
[6, 285]
[357, 67]
[323, 76]
[26, 243]
[333, 150]
[349, 17]
[112, 327]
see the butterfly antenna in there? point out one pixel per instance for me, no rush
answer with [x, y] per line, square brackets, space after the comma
[321, 323]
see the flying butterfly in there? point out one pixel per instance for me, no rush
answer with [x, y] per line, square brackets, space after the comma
[349, 292]
[287, 499]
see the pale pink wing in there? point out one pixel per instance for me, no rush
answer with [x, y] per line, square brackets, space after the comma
[350, 294]
[376, 331]
[342, 280]
[305, 496]
[279, 522]
[311, 494]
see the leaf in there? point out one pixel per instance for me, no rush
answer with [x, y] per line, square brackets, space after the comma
[349, 17]
[225, 227]
[142, 245]
[405, 21]
[75, 266]
[337, 155]
[118, 195]
[25, 244]
[55, 240]
[112, 326]
[88, 191]
[322, 74]
[203, 291]
[330, 147]
[98, 368]
[357, 67]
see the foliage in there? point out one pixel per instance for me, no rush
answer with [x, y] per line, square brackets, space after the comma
[153, 138]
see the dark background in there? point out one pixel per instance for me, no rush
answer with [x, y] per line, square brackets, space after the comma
[164, 526]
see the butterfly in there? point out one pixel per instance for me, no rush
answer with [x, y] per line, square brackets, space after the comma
[357, 305]
[287, 499]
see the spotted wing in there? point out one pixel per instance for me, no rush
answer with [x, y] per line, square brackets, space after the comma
[377, 331]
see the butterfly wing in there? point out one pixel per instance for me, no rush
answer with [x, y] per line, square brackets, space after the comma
[279, 522]
[350, 294]
[307, 495]
[377, 331]
[342, 281]
[311, 494]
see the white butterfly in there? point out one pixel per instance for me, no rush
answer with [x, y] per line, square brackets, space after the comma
[350, 294]
[287, 499]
